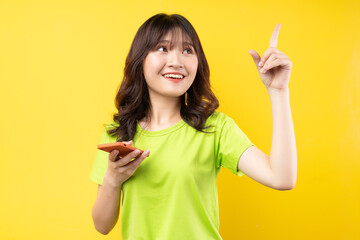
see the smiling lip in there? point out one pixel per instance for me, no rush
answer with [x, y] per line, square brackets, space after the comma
[174, 73]
[174, 79]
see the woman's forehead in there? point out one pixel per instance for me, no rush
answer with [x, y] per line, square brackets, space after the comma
[176, 37]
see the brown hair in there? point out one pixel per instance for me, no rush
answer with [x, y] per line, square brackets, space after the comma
[132, 99]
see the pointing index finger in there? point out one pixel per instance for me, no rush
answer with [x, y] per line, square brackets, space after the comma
[274, 36]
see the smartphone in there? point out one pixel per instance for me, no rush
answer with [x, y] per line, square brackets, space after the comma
[123, 148]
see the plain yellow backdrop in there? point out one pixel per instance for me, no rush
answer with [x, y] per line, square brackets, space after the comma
[61, 63]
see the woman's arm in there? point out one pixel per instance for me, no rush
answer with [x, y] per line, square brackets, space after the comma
[274, 68]
[279, 171]
[283, 156]
[105, 212]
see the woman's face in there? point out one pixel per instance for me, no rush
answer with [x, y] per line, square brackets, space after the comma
[178, 59]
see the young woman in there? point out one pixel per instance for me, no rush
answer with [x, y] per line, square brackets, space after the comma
[166, 106]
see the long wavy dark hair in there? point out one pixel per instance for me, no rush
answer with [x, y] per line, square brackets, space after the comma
[132, 99]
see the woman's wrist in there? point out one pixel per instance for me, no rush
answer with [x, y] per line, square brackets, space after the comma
[111, 182]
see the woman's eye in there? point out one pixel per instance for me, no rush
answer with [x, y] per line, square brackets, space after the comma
[189, 49]
[161, 47]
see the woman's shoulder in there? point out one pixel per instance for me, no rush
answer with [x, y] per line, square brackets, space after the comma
[217, 119]
[107, 137]
[217, 116]
[110, 125]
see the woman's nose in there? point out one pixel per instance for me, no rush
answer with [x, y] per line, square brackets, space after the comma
[175, 59]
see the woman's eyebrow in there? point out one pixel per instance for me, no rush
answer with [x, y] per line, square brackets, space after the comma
[188, 44]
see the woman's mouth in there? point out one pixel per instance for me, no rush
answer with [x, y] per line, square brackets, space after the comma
[174, 77]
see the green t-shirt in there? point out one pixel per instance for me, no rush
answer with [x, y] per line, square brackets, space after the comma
[173, 193]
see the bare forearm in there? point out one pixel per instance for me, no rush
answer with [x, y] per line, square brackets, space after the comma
[283, 156]
[105, 211]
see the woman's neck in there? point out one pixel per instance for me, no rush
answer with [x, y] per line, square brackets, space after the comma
[164, 112]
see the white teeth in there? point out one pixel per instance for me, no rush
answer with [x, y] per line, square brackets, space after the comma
[173, 76]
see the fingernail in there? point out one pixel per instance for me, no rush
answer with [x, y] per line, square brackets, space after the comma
[260, 63]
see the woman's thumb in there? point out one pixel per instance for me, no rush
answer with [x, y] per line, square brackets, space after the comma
[256, 57]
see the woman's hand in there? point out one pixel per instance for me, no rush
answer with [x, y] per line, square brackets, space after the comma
[275, 66]
[121, 169]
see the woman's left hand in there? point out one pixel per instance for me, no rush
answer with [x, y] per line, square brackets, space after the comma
[276, 66]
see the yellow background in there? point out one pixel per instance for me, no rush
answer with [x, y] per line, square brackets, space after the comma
[61, 63]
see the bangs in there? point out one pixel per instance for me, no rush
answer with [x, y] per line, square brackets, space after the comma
[186, 40]
[161, 32]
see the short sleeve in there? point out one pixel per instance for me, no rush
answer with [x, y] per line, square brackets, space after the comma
[101, 161]
[232, 144]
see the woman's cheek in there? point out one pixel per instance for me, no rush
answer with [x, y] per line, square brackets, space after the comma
[194, 67]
